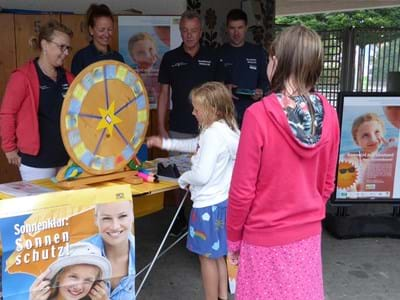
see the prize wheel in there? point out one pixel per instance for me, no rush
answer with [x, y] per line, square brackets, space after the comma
[104, 117]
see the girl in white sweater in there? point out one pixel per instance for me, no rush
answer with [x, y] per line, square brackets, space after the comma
[209, 180]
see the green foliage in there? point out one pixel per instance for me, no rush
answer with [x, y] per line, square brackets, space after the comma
[386, 17]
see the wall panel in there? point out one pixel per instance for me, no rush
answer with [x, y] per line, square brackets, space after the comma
[7, 65]
[80, 39]
[27, 27]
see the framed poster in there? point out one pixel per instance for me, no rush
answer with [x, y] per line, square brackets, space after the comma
[368, 168]
[143, 40]
[54, 242]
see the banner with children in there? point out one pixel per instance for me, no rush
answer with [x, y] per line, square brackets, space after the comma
[143, 40]
[53, 244]
[369, 162]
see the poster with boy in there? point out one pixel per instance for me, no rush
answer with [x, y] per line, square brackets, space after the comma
[368, 163]
[53, 244]
[143, 40]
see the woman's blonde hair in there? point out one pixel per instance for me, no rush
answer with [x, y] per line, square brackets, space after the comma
[362, 119]
[46, 33]
[299, 54]
[216, 101]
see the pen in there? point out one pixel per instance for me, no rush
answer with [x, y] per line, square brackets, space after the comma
[147, 177]
[146, 171]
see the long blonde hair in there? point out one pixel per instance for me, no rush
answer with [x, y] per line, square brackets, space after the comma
[299, 54]
[216, 101]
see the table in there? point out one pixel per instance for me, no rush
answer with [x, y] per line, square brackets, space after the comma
[147, 197]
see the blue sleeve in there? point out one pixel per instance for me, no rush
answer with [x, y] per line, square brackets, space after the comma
[95, 240]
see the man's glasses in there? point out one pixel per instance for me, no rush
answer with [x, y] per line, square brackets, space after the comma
[350, 170]
[62, 48]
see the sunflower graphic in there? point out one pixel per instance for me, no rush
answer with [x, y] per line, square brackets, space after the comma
[347, 175]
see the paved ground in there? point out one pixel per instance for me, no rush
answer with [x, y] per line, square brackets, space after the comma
[359, 269]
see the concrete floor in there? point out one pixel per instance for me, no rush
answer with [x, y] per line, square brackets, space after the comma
[359, 269]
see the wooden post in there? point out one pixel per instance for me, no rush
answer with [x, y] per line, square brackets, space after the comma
[8, 63]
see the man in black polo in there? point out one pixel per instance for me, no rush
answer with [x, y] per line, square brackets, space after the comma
[243, 64]
[182, 69]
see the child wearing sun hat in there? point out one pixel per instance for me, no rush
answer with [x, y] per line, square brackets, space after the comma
[77, 273]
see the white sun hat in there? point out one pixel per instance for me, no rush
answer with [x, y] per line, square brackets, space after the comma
[81, 253]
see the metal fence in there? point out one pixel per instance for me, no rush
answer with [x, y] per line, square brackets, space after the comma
[377, 52]
[329, 83]
[358, 60]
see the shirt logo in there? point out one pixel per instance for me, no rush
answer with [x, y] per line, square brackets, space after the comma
[252, 67]
[44, 87]
[204, 62]
[64, 87]
[251, 60]
[178, 64]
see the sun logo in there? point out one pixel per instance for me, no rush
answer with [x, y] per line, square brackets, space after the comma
[347, 175]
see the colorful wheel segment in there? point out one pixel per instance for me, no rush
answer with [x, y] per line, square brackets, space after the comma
[104, 117]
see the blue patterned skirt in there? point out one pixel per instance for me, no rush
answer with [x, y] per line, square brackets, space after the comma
[207, 231]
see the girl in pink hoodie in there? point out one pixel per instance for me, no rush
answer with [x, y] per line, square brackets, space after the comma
[283, 176]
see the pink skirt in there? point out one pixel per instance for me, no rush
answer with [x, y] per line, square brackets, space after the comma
[288, 272]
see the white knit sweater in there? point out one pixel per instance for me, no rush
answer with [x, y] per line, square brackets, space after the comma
[210, 175]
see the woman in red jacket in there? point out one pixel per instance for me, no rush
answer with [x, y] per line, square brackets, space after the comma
[31, 107]
[283, 176]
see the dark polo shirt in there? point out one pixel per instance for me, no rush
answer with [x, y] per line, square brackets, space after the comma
[184, 72]
[51, 96]
[88, 55]
[244, 67]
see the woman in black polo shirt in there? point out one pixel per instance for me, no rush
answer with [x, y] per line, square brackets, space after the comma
[100, 24]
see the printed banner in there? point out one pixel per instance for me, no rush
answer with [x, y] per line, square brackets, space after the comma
[143, 40]
[232, 276]
[53, 244]
[369, 162]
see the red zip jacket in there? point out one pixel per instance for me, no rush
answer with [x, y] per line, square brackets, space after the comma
[19, 127]
[280, 186]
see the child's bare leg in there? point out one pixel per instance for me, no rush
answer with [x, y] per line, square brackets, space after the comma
[222, 278]
[209, 274]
